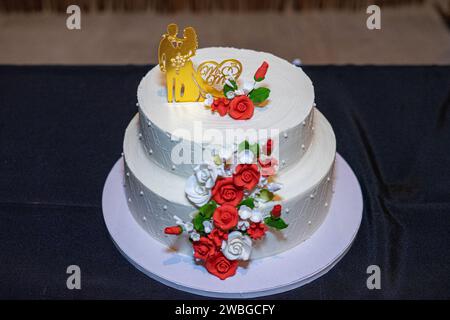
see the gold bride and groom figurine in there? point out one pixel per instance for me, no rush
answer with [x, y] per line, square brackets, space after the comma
[184, 83]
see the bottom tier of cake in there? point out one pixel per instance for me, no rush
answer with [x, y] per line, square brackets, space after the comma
[155, 195]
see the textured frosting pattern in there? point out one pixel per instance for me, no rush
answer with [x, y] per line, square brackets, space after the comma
[155, 195]
[289, 110]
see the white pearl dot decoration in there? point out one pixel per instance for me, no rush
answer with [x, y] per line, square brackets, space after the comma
[121, 154]
[314, 104]
[285, 135]
[283, 162]
[313, 128]
[164, 207]
[303, 147]
[304, 123]
[150, 151]
[309, 222]
[128, 174]
[141, 193]
[173, 167]
[129, 199]
[137, 104]
[144, 218]
[140, 136]
[328, 178]
[326, 204]
[149, 124]
[287, 210]
[311, 196]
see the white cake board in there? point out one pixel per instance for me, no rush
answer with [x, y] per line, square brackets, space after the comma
[286, 271]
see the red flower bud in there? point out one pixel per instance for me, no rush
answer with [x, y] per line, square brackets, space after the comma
[261, 72]
[173, 230]
[269, 146]
[276, 211]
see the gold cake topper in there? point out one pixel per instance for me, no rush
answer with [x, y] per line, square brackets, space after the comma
[184, 83]
[215, 74]
[174, 56]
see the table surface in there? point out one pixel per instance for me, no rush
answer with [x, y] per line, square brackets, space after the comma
[61, 131]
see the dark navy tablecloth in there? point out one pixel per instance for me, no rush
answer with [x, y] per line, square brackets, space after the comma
[61, 131]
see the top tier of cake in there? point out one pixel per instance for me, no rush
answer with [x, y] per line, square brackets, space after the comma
[287, 116]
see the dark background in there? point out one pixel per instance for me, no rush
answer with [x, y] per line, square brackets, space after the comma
[61, 131]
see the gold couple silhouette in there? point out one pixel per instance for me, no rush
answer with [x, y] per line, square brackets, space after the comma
[175, 60]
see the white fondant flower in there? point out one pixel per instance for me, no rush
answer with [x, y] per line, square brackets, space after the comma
[243, 225]
[195, 236]
[207, 226]
[257, 216]
[230, 95]
[246, 156]
[262, 181]
[237, 247]
[187, 226]
[248, 86]
[274, 187]
[206, 175]
[198, 194]
[209, 100]
[245, 212]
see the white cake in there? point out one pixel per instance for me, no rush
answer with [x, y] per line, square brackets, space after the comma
[306, 147]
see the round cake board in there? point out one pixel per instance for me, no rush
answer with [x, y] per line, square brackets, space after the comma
[282, 272]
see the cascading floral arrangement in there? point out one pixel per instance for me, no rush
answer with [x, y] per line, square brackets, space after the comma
[239, 103]
[237, 204]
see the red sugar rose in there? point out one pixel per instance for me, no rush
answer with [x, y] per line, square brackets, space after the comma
[225, 217]
[261, 72]
[241, 108]
[257, 230]
[246, 176]
[225, 192]
[173, 230]
[204, 248]
[220, 105]
[276, 211]
[217, 236]
[220, 266]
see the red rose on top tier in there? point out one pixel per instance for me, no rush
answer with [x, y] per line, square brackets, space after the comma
[260, 74]
[204, 248]
[220, 105]
[257, 230]
[246, 176]
[224, 191]
[225, 217]
[220, 266]
[217, 236]
[241, 108]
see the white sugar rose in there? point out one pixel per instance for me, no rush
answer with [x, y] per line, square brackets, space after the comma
[237, 247]
[198, 194]
[206, 175]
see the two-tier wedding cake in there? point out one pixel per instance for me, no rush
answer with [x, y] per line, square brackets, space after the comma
[228, 159]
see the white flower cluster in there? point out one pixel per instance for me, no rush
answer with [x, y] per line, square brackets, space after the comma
[246, 88]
